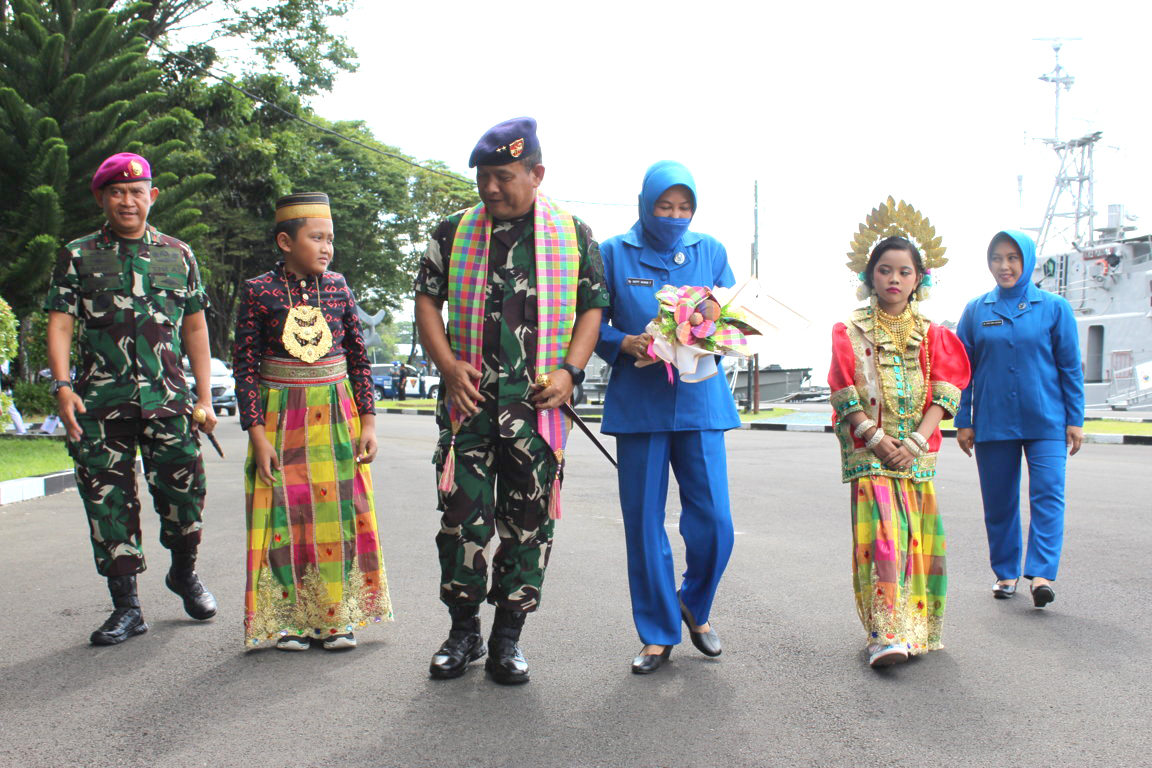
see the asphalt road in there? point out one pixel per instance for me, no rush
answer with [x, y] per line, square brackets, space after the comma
[1069, 685]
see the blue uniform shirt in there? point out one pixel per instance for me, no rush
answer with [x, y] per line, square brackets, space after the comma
[641, 399]
[1027, 383]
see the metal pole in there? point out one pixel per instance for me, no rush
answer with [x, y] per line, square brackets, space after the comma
[1020, 196]
[754, 379]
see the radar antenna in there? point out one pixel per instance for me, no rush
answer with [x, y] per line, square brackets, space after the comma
[1075, 175]
[1058, 76]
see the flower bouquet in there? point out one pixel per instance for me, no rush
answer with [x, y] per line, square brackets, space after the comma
[691, 328]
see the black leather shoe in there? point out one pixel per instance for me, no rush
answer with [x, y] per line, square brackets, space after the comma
[647, 663]
[199, 603]
[708, 643]
[126, 620]
[1003, 591]
[1042, 595]
[463, 646]
[506, 663]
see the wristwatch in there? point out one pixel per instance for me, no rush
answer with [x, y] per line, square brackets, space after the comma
[58, 385]
[576, 373]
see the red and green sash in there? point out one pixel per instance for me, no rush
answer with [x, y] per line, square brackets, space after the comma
[557, 273]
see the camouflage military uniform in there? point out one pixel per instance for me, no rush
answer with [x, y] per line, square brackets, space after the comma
[129, 298]
[504, 468]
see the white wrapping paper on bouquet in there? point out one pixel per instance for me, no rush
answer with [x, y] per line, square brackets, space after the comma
[695, 325]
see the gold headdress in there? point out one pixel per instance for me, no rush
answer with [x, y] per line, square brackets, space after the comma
[890, 219]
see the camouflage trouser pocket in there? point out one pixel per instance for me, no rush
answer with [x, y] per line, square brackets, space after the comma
[91, 452]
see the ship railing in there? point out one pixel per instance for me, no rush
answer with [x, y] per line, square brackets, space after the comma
[1124, 389]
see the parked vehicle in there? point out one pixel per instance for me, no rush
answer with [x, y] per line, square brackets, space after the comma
[416, 383]
[223, 386]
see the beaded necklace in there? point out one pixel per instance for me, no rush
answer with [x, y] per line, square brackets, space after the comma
[899, 330]
[898, 327]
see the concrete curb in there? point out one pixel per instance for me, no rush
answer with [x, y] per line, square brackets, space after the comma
[1105, 439]
[28, 488]
[25, 488]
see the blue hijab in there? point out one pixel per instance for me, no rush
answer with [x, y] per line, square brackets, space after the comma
[1027, 248]
[662, 233]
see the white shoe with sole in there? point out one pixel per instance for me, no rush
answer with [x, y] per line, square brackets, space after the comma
[293, 643]
[887, 655]
[340, 642]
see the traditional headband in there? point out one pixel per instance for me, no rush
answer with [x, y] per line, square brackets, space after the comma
[303, 205]
[890, 219]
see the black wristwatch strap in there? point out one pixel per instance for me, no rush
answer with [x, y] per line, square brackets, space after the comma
[577, 373]
[57, 385]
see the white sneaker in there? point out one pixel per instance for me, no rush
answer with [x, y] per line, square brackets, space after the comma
[888, 655]
[293, 643]
[340, 642]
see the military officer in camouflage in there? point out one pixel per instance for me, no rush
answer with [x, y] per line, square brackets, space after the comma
[498, 472]
[136, 296]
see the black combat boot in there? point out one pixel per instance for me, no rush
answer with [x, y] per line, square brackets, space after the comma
[506, 663]
[126, 619]
[464, 644]
[182, 579]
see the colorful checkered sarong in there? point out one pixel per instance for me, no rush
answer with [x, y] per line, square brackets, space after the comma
[314, 562]
[557, 253]
[557, 272]
[898, 562]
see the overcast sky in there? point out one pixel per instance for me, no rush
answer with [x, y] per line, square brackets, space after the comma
[830, 106]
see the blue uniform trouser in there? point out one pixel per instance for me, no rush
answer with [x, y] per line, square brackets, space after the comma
[699, 462]
[999, 465]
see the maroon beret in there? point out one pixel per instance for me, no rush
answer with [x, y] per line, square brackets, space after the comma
[121, 168]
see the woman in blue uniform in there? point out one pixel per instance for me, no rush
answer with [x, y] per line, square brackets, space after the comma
[658, 423]
[1027, 396]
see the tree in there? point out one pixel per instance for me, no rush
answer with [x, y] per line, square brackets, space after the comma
[288, 35]
[259, 147]
[75, 87]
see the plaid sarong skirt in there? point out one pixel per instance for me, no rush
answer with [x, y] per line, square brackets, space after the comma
[314, 562]
[898, 562]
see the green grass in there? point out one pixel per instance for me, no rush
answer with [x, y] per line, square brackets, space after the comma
[1100, 427]
[767, 414]
[1114, 427]
[28, 457]
[412, 402]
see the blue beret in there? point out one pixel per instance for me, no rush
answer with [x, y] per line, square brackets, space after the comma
[505, 143]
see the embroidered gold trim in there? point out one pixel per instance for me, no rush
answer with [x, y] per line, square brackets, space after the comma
[312, 613]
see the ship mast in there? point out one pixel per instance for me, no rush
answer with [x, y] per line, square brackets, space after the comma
[1076, 210]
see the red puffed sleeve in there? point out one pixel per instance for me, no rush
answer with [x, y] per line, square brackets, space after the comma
[950, 370]
[842, 375]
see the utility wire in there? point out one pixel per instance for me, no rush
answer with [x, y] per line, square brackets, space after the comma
[291, 115]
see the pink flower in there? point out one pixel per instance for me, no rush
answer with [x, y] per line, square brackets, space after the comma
[684, 333]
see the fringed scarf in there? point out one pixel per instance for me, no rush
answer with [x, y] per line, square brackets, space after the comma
[557, 272]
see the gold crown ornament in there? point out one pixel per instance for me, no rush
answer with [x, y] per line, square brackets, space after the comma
[892, 219]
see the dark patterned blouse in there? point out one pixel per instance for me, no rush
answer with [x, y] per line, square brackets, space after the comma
[260, 324]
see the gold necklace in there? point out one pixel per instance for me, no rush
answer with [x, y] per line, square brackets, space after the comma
[899, 329]
[306, 334]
